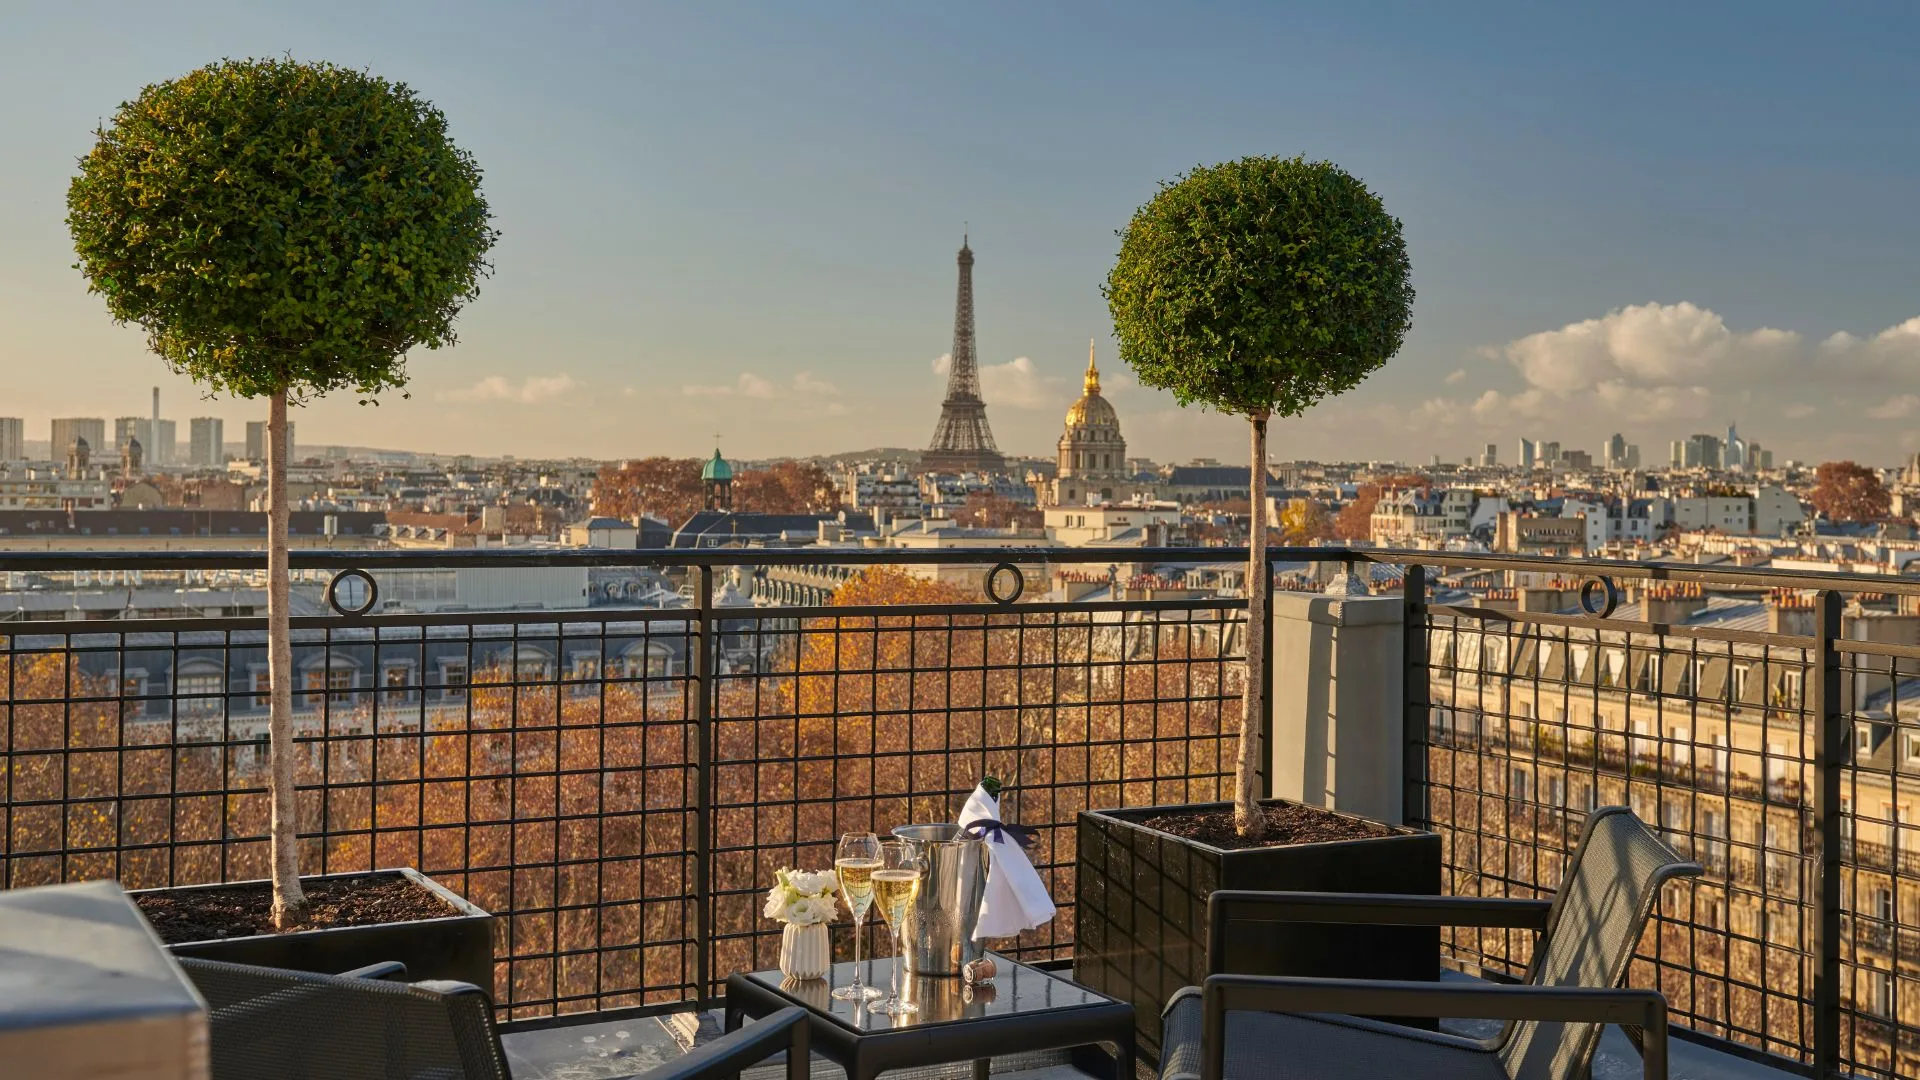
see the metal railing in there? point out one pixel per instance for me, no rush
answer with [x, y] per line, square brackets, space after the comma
[619, 783]
[1767, 722]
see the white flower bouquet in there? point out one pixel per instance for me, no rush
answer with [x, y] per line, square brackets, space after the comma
[803, 897]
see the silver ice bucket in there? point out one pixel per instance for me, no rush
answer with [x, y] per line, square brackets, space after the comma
[939, 938]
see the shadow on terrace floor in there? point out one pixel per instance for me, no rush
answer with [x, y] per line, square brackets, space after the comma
[624, 1048]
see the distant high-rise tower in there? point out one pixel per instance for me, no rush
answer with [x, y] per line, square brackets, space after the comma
[68, 428]
[1617, 451]
[13, 438]
[209, 436]
[962, 441]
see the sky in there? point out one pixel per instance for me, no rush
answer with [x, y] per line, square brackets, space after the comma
[739, 221]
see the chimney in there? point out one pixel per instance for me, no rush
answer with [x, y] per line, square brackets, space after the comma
[1671, 604]
[1790, 613]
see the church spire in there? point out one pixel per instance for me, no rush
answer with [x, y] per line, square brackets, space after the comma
[1093, 373]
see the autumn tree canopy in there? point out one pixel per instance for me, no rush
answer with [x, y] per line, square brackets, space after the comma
[1846, 492]
[669, 489]
[1304, 521]
[786, 487]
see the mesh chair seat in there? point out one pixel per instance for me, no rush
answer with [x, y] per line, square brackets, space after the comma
[1295, 1046]
[295, 1025]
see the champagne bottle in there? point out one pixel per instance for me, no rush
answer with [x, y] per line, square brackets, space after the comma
[990, 785]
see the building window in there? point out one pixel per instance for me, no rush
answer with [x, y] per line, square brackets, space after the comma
[1740, 681]
[1910, 747]
[262, 688]
[585, 674]
[1791, 685]
[1882, 995]
[453, 678]
[200, 690]
[396, 681]
[336, 680]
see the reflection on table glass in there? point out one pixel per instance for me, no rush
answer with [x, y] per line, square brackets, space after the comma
[941, 999]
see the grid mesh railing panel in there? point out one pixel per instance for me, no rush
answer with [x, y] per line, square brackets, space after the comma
[617, 787]
[1535, 723]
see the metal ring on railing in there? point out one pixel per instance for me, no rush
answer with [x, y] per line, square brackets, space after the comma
[993, 578]
[333, 592]
[1599, 597]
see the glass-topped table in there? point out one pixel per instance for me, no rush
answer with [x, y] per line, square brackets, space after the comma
[1022, 1010]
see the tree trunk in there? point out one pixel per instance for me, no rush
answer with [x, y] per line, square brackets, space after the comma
[289, 902]
[1246, 770]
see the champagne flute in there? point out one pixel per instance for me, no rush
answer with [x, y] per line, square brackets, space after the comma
[855, 862]
[895, 885]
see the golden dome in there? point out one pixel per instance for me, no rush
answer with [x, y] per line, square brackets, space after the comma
[1091, 410]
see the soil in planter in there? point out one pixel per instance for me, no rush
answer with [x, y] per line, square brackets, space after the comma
[1287, 823]
[246, 910]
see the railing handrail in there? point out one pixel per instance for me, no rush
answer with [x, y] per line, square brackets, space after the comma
[481, 558]
[1756, 577]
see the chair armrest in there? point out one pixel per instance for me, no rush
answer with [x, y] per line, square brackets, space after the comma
[1222, 994]
[1228, 906]
[386, 969]
[1378, 909]
[730, 1054]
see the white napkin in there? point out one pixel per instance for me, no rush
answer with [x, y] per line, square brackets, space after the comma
[1015, 899]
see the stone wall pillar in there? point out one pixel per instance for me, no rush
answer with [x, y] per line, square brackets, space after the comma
[1338, 709]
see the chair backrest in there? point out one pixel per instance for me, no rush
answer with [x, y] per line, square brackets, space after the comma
[1602, 907]
[296, 1025]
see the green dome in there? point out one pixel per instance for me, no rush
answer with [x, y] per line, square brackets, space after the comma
[717, 469]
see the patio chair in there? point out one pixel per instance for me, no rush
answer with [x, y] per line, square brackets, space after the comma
[270, 1024]
[1285, 1028]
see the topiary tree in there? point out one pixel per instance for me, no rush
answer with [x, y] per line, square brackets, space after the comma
[1258, 287]
[282, 230]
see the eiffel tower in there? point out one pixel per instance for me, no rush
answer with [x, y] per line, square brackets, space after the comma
[962, 441]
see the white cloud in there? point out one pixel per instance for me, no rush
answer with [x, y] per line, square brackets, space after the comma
[808, 383]
[1017, 384]
[748, 385]
[1456, 376]
[1650, 345]
[1658, 364]
[1898, 407]
[536, 389]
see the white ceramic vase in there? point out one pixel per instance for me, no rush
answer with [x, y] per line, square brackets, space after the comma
[803, 951]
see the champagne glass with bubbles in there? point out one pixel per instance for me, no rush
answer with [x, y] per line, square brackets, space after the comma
[855, 862]
[895, 885]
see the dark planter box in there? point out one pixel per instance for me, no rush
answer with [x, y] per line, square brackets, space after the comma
[1140, 914]
[458, 947]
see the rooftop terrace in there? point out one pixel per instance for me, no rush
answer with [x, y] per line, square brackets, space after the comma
[618, 784]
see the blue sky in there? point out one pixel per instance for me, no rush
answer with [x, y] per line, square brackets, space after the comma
[741, 219]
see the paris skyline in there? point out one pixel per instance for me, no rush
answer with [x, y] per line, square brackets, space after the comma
[746, 225]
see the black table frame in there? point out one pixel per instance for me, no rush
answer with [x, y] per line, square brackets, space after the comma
[866, 1054]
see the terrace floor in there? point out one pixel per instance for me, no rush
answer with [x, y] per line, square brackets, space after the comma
[608, 1051]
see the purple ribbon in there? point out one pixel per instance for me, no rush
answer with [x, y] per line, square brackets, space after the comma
[1000, 832]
